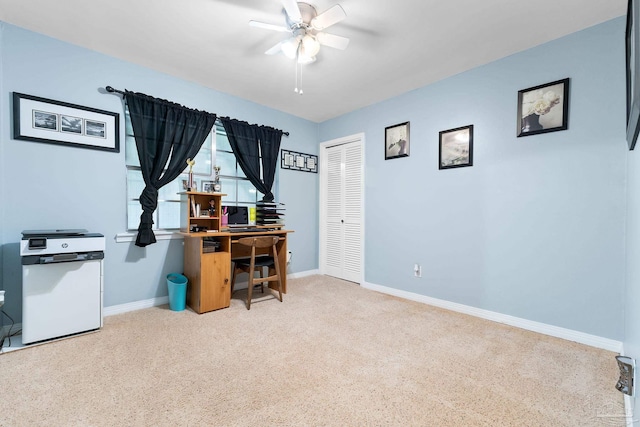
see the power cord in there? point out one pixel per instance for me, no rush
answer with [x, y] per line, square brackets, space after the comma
[9, 334]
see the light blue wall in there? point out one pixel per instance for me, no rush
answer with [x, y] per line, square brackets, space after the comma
[50, 186]
[535, 229]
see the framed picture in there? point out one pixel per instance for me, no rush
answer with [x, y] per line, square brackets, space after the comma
[185, 185]
[207, 187]
[71, 124]
[543, 108]
[298, 161]
[396, 141]
[54, 122]
[456, 148]
[633, 72]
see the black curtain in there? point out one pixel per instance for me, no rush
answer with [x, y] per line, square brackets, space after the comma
[245, 140]
[166, 134]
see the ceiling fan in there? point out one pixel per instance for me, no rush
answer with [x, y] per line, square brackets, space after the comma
[306, 27]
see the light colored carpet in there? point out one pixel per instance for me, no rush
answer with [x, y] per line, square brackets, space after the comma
[332, 354]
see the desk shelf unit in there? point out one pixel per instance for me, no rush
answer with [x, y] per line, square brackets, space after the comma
[188, 218]
[207, 269]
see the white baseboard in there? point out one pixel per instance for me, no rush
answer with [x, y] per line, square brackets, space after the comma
[302, 274]
[133, 306]
[153, 302]
[542, 328]
[243, 284]
[554, 331]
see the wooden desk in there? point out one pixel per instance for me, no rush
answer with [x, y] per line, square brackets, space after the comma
[209, 273]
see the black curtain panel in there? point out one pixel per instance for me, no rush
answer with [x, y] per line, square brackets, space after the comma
[166, 134]
[270, 147]
[245, 140]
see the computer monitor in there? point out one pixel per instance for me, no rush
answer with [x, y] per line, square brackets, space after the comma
[237, 215]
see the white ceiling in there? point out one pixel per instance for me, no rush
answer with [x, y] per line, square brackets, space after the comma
[396, 46]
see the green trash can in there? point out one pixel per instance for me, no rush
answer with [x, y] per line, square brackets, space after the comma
[177, 286]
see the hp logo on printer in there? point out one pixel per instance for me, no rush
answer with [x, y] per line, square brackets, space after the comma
[65, 245]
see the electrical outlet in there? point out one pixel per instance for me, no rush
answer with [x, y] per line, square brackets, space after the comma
[627, 368]
[417, 270]
[1, 298]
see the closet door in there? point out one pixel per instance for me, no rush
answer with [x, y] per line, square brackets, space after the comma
[341, 212]
[333, 207]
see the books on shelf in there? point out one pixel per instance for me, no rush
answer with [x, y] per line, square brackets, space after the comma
[210, 245]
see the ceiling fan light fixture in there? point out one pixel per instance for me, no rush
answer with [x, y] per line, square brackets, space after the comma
[290, 47]
[311, 45]
[304, 24]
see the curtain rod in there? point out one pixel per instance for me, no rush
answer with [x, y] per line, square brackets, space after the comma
[112, 90]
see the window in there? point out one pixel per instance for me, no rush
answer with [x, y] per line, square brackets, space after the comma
[214, 151]
[235, 184]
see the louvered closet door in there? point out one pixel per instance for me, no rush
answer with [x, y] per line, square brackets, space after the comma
[333, 247]
[342, 242]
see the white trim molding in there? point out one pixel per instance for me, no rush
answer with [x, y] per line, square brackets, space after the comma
[133, 306]
[160, 235]
[154, 302]
[243, 284]
[542, 328]
[302, 274]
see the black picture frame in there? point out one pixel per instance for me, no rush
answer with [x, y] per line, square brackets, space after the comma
[397, 141]
[456, 148]
[298, 161]
[45, 120]
[543, 108]
[208, 187]
[632, 42]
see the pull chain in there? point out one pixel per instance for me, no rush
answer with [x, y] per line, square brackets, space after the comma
[298, 86]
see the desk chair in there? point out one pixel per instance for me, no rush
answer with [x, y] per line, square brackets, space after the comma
[249, 265]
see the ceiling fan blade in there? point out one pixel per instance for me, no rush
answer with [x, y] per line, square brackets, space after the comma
[331, 40]
[266, 26]
[293, 11]
[329, 17]
[275, 49]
